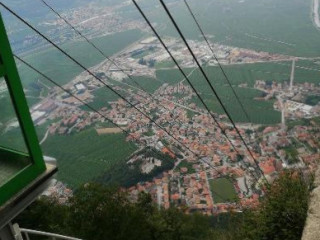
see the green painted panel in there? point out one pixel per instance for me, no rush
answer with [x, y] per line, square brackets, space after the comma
[18, 169]
[1, 71]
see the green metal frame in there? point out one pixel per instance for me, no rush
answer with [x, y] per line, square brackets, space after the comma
[9, 71]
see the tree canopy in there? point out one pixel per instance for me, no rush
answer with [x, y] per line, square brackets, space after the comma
[99, 212]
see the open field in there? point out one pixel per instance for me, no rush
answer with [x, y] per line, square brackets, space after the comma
[165, 64]
[148, 83]
[259, 111]
[222, 190]
[185, 164]
[102, 131]
[61, 69]
[287, 26]
[101, 98]
[84, 156]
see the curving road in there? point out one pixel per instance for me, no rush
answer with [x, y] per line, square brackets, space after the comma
[45, 137]
[315, 13]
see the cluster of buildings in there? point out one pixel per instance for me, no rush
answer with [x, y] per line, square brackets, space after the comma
[41, 112]
[190, 186]
[59, 191]
[203, 154]
[292, 98]
[192, 191]
[93, 20]
[138, 55]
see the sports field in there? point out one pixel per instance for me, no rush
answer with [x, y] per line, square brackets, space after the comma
[222, 190]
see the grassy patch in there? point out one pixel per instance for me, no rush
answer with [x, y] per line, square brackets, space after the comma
[187, 165]
[102, 97]
[164, 64]
[149, 133]
[149, 84]
[190, 114]
[222, 190]
[292, 153]
[316, 120]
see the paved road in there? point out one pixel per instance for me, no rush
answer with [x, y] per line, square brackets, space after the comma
[45, 137]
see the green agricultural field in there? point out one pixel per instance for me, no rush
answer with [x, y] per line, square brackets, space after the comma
[259, 111]
[84, 156]
[101, 98]
[61, 69]
[274, 26]
[149, 84]
[279, 72]
[165, 64]
[222, 190]
[311, 64]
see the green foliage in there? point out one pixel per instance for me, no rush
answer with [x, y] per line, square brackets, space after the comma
[292, 154]
[149, 133]
[99, 212]
[187, 165]
[313, 100]
[128, 175]
[111, 215]
[282, 213]
[45, 214]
